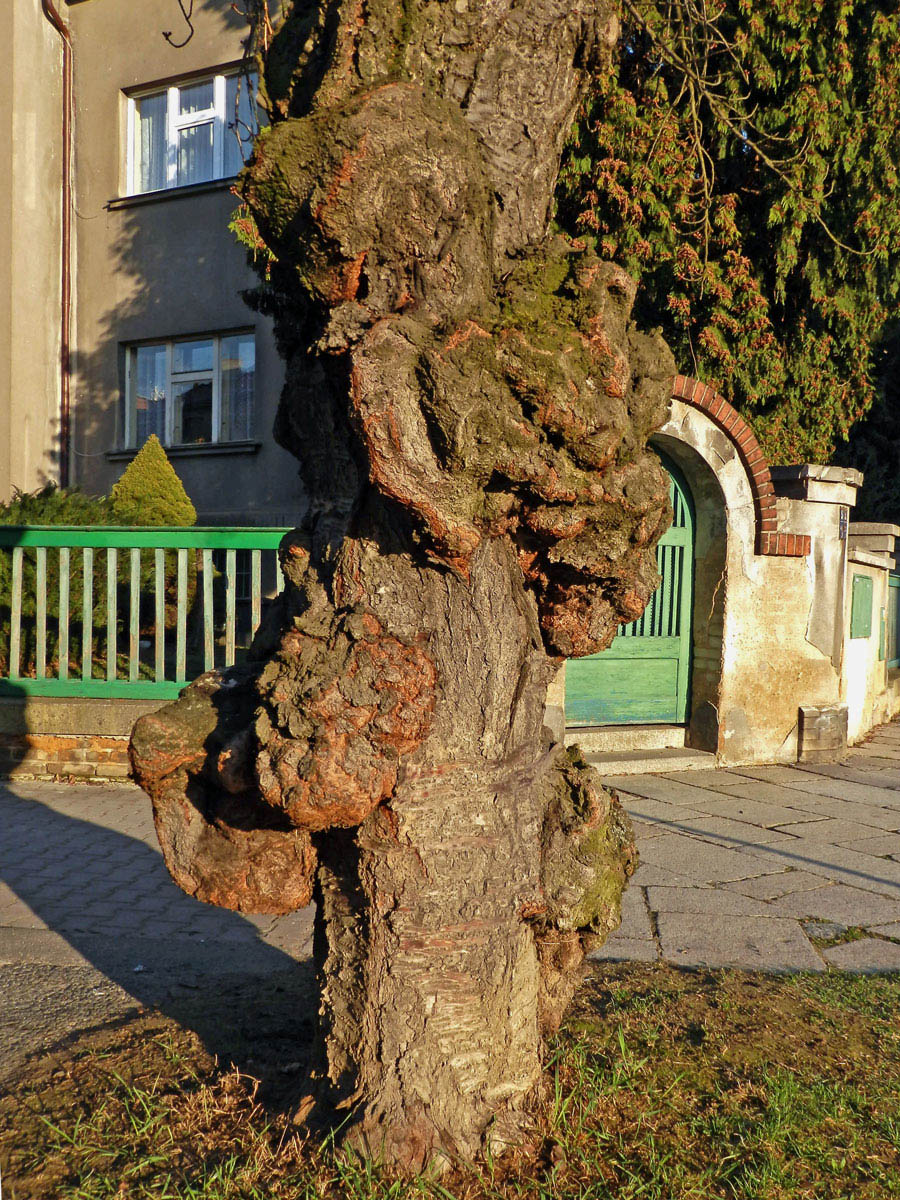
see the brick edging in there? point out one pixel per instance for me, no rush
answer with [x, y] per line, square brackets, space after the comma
[768, 538]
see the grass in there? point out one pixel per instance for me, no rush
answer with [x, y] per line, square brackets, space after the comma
[662, 1085]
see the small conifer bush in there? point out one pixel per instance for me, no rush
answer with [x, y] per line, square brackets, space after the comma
[149, 491]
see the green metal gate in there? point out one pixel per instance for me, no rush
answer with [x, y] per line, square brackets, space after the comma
[643, 677]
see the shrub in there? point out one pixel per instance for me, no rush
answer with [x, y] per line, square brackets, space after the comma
[149, 491]
[49, 505]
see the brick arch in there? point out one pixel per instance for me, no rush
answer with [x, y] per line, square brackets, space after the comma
[768, 538]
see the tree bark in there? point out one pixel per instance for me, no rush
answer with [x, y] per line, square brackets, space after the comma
[470, 406]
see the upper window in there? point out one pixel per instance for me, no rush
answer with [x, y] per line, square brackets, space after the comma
[190, 133]
[190, 391]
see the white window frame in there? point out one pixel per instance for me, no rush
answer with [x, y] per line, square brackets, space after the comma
[174, 377]
[221, 121]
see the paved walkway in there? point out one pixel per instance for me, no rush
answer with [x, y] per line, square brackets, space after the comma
[767, 868]
[773, 868]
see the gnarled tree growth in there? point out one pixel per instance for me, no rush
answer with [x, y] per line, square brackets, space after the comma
[470, 405]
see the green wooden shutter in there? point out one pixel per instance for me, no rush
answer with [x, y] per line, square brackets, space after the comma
[861, 607]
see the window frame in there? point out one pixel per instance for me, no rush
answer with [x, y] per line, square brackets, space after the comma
[221, 120]
[129, 420]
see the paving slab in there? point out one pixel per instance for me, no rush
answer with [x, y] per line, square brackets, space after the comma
[826, 930]
[867, 956]
[701, 860]
[649, 874]
[819, 785]
[635, 924]
[643, 830]
[882, 778]
[780, 883]
[724, 831]
[712, 901]
[881, 845]
[873, 816]
[884, 749]
[741, 788]
[891, 930]
[837, 902]
[836, 863]
[660, 787]
[731, 863]
[776, 773]
[762, 813]
[828, 829]
[749, 943]
[622, 949]
[658, 812]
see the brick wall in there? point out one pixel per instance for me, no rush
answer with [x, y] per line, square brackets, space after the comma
[55, 756]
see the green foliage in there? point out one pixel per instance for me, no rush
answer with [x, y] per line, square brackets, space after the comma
[741, 161]
[49, 505]
[149, 492]
[874, 444]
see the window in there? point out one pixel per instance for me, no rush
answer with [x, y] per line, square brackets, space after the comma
[191, 390]
[190, 133]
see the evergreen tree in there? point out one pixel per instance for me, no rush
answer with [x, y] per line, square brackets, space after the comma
[150, 492]
[741, 161]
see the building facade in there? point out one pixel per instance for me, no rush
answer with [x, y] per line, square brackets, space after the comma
[149, 334]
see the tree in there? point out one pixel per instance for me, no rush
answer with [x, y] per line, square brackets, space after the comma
[740, 161]
[470, 403]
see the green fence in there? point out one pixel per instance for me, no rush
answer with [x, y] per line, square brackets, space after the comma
[133, 612]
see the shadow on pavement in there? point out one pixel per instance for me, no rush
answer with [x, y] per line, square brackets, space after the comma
[106, 899]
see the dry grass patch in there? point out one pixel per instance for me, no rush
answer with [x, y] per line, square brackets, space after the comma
[663, 1084]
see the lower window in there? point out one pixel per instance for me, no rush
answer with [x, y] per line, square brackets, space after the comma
[190, 391]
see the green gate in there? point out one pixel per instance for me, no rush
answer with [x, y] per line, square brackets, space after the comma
[643, 677]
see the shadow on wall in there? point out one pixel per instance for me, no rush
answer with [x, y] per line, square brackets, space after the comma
[153, 269]
[106, 895]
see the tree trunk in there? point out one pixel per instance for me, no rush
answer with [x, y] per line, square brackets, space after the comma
[470, 406]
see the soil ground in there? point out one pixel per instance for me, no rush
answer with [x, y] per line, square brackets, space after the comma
[664, 1083]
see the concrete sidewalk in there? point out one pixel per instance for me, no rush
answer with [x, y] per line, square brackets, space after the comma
[767, 868]
[92, 927]
[774, 868]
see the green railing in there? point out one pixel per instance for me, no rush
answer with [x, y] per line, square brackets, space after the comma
[133, 612]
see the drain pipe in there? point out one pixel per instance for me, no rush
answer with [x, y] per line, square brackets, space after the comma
[61, 28]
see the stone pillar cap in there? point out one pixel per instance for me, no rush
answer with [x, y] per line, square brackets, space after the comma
[817, 483]
[873, 528]
[820, 472]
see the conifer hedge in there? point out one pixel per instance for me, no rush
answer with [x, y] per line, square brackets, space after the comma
[741, 160]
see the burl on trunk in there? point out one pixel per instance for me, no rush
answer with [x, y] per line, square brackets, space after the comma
[470, 405]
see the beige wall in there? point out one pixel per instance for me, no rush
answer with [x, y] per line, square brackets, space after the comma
[772, 620]
[164, 267]
[30, 257]
[870, 692]
[768, 632]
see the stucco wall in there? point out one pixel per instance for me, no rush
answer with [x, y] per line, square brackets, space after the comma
[767, 629]
[30, 256]
[765, 606]
[161, 268]
[870, 691]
